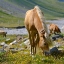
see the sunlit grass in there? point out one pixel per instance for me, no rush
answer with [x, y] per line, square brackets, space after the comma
[24, 57]
[7, 20]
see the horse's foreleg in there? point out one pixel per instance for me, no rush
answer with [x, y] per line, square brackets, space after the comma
[35, 49]
[33, 44]
[31, 49]
[30, 38]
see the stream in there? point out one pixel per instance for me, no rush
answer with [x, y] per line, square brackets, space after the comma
[23, 31]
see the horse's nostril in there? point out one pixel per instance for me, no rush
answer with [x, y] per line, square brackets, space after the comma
[44, 43]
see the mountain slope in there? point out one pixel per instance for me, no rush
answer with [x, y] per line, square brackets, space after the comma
[11, 8]
[52, 9]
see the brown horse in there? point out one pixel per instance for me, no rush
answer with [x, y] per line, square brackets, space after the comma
[54, 29]
[37, 29]
[2, 32]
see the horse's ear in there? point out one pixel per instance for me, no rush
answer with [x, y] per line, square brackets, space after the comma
[42, 13]
[42, 31]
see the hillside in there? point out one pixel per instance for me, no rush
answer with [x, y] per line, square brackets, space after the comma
[51, 8]
[9, 17]
[13, 11]
[7, 20]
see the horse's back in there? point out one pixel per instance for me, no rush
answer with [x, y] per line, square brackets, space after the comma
[2, 32]
[54, 27]
[51, 26]
[28, 18]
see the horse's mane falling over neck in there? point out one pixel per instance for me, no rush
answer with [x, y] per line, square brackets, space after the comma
[40, 13]
[41, 16]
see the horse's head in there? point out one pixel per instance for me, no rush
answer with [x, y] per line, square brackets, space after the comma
[43, 44]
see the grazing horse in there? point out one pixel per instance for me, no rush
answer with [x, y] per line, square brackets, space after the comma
[37, 29]
[54, 29]
[2, 32]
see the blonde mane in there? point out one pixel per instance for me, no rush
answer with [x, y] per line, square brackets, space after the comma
[42, 18]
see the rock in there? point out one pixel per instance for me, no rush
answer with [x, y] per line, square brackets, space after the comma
[57, 44]
[8, 39]
[2, 50]
[61, 53]
[19, 38]
[47, 53]
[56, 36]
[2, 44]
[14, 42]
[14, 50]
[54, 51]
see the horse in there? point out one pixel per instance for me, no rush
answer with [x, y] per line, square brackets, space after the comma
[54, 29]
[37, 29]
[2, 32]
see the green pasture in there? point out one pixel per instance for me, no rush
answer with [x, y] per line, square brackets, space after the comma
[23, 56]
[53, 9]
[7, 20]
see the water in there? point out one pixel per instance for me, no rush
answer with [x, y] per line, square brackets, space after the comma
[60, 24]
[22, 31]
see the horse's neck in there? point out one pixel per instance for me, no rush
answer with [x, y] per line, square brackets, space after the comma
[39, 26]
[41, 21]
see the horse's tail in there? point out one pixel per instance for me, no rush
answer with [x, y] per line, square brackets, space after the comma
[58, 30]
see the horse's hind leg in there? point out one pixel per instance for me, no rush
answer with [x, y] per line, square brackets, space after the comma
[35, 49]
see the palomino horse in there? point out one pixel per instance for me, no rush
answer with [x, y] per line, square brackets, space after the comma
[54, 29]
[37, 29]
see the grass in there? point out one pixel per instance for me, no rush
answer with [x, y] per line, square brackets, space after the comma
[53, 9]
[7, 20]
[24, 57]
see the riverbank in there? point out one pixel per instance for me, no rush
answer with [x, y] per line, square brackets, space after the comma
[22, 30]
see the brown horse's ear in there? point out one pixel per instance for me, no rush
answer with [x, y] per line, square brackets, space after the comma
[42, 31]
